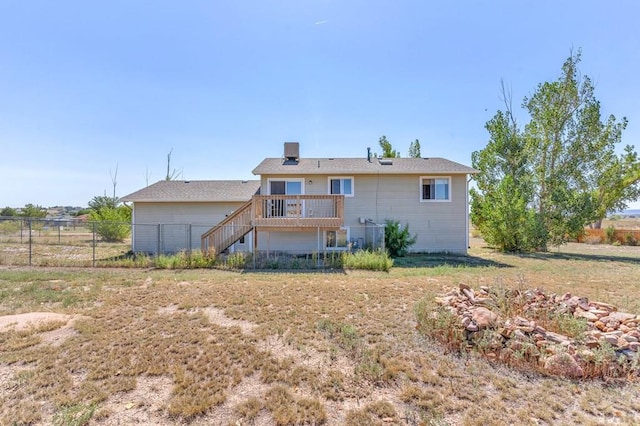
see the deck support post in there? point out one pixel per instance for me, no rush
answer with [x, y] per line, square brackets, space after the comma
[254, 233]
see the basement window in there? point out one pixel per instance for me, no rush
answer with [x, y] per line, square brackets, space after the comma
[337, 240]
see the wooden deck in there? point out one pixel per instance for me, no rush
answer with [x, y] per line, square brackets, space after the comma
[276, 213]
[298, 211]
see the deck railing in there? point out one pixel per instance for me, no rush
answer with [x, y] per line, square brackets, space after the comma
[283, 212]
[230, 230]
[298, 211]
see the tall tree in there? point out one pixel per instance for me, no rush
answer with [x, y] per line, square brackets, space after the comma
[616, 182]
[387, 149]
[114, 180]
[33, 211]
[101, 201]
[572, 172]
[112, 218]
[414, 149]
[499, 207]
[574, 154]
[8, 211]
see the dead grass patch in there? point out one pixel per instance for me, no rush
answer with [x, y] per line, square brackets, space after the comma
[292, 348]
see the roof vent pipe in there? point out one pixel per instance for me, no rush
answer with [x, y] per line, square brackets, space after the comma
[368, 154]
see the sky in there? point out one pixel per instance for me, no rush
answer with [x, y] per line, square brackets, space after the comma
[91, 88]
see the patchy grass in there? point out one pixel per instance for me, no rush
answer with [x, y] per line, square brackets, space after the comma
[323, 348]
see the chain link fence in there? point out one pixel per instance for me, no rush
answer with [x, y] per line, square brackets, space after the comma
[52, 242]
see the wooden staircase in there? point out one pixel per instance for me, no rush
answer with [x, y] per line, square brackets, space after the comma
[230, 230]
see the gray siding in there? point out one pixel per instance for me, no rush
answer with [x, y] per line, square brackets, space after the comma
[439, 225]
[171, 227]
[294, 242]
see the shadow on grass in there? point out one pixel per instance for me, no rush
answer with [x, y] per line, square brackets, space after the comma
[250, 270]
[583, 257]
[434, 260]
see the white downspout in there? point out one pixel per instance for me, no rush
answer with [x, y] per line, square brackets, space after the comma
[466, 213]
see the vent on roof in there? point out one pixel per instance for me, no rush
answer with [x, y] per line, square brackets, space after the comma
[291, 151]
[385, 161]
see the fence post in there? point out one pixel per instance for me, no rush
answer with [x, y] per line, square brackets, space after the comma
[189, 238]
[30, 242]
[318, 257]
[93, 262]
[159, 232]
[59, 243]
[21, 229]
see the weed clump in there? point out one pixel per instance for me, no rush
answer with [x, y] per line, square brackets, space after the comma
[377, 260]
[289, 410]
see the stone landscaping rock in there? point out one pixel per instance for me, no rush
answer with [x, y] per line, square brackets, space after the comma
[622, 316]
[483, 317]
[517, 338]
[589, 316]
[563, 364]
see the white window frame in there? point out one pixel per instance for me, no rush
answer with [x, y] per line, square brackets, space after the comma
[301, 180]
[342, 178]
[344, 228]
[420, 183]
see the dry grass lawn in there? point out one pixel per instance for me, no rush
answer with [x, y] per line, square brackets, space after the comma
[214, 347]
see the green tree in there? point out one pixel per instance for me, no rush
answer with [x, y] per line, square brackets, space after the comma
[616, 183]
[33, 211]
[387, 149]
[414, 149]
[112, 218]
[561, 172]
[112, 224]
[8, 211]
[101, 201]
[397, 239]
[500, 203]
[574, 154]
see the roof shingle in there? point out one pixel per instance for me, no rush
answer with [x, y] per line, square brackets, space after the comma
[196, 191]
[355, 166]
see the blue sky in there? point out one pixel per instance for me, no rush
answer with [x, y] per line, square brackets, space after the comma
[88, 86]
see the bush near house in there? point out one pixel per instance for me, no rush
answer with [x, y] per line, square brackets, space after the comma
[113, 224]
[397, 238]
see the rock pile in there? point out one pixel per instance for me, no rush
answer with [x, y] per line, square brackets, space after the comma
[511, 326]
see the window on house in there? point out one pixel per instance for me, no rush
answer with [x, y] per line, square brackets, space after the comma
[341, 186]
[284, 207]
[241, 240]
[435, 189]
[337, 239]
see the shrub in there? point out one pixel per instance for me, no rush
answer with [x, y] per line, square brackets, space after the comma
[610, 234]
[112, 224]
[630, 239]
[397, 238]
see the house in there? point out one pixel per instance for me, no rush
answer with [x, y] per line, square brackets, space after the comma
[170, 216]
[305, 205]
